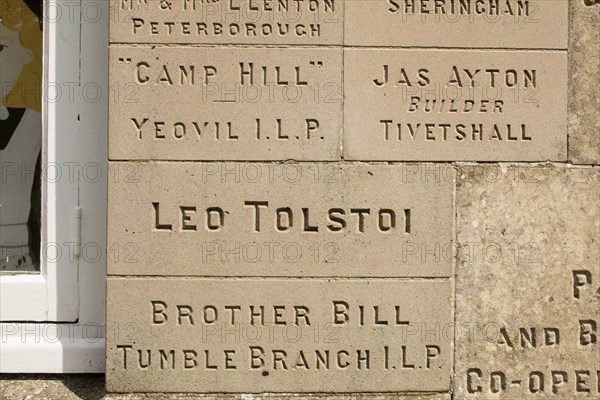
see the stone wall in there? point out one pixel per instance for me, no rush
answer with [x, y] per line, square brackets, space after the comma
[289, 215]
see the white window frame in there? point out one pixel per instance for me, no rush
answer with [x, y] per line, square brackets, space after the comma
[58, 326]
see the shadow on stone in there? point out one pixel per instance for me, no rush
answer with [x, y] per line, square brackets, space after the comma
[51, 386]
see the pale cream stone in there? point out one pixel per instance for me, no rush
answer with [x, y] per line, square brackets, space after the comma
[584, 83]
[455, 105]
[200, 103]
[529, 267]
[315, 22]
[290, 220]
[539, 24]
[401, 341]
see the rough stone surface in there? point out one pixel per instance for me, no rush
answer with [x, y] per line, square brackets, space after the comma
[227, 22]
[584, 83]
[408, 396]
[275, 335]
[421, 105]
[52, 387]
[91, 387]
[391, 23]
[206, 103]
[306, 219]
[528, 272]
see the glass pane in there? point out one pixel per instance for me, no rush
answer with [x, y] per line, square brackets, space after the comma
[20, 135]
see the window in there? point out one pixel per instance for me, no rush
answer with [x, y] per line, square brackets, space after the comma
[53, 184]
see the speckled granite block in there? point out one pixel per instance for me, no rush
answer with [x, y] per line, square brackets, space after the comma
[527, 283]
